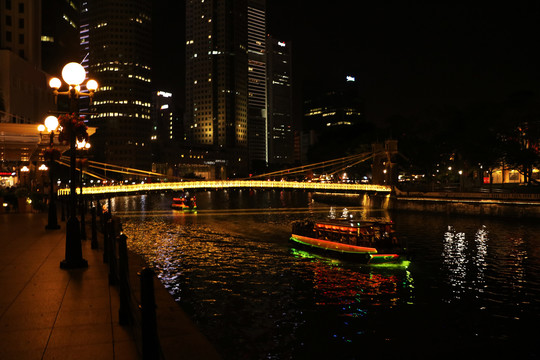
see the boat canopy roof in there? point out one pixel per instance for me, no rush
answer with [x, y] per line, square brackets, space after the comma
[352, 223]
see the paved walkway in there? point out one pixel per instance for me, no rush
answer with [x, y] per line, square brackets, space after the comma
[50, 313]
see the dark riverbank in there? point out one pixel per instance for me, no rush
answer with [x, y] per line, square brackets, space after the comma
[513, 205]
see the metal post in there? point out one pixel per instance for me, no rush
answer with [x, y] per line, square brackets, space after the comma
[83, 215]
[105, 220]
[124, 312]
[113, 273]
[150, 342]
[63, 204]
[94, 243]
[74, 257]
[53, 222]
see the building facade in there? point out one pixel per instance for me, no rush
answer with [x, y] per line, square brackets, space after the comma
[338, 108]
[281, 128]
[24, 93]
[225, 80]
[20, 28]
[257, 84]
[59, 35]
[116, 46]
[167, 130]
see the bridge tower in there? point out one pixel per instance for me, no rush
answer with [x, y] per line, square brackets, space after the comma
[384, 167]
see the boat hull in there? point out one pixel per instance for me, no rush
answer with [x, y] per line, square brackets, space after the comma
[183, 208]
[184, 204]
[368, 255]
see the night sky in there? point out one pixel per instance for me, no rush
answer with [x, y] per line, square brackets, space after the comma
[407, 57]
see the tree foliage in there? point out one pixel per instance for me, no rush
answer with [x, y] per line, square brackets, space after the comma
[481, 134]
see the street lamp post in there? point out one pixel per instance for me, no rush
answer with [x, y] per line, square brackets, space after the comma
[82, 146]
[51, 124]
[42, 169]
[24, 174]
[74, 75]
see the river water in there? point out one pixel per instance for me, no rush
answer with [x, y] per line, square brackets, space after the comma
[472, 288]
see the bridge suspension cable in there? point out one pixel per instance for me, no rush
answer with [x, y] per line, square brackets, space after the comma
[335, 165]
[342, 163]
[112, 168]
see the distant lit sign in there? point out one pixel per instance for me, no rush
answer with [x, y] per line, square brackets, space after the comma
[281, 43]
[163, 107]
[351, 78]
[164, 94]
[5, 173]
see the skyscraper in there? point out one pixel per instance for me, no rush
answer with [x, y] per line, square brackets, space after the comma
[257, 102]
[20, 29]
[167, 132]
[217, 89]
[116, 41]
[281, 128]
[24, 95]
[59, 35]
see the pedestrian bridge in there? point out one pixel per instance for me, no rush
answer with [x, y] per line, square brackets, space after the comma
[127, 189]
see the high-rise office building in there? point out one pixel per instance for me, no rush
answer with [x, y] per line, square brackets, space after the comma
[335, 114]
[59, 35]
[281, 128]
[257, 101]
[225, 43]
[24, 94]
[116, 41]
[20, 27]
[167, 129]
[338, 108]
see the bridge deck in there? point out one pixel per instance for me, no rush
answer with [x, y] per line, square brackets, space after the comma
[224, 184]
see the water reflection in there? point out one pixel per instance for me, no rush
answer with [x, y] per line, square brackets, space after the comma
[465, 264]
[480, 258]
[225, 277]
[455, 261]
[472, 285]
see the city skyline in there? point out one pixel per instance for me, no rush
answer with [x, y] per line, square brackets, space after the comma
[407, 57]
[410, 57]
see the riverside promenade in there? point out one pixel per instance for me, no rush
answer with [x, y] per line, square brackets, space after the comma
[50, 313]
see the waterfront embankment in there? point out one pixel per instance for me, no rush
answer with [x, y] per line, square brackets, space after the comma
[51, 313]
[512, 205]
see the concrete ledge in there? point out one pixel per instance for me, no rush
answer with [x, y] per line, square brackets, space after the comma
[468, 206]
[179, 338]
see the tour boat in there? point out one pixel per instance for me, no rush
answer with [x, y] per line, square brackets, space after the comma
[184, 203]
[372, 242]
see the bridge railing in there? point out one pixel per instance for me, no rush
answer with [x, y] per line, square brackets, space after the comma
[222, 184]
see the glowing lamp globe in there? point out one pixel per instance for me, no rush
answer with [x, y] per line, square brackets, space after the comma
[55, 83]
[92, 85]
[41, 128]
[73, 74]
[51, 122]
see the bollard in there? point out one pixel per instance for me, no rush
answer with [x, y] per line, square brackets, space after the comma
[100, 214]
[94, 243]
[113, 273]
[150, 342]
[68, 212]
[106, 216]
[105, 230]
[83, 221]
[62, 202]
[124, 312]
